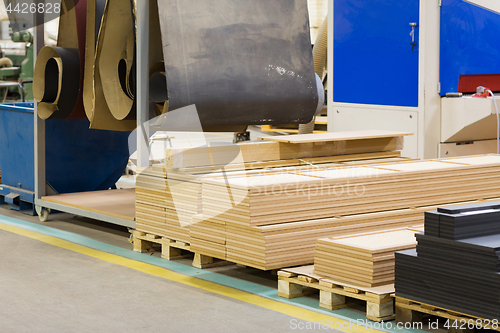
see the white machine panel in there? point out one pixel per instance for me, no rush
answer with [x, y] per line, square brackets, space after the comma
[355, 119]
[468, 119]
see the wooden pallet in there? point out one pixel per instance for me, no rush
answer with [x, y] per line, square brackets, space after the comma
[172, 249]
[332, 296]
[414, 311]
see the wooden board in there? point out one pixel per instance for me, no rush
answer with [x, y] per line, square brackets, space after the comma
[363, 260]
[262, 151]
[309, 271]
[295, 194]
[335, 136]
[117, 203]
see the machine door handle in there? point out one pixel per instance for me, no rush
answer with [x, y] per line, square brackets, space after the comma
[413, 43]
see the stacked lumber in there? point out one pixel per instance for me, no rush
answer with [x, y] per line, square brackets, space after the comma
[461, 273]
[287, 195]
[168, 196]
[292, 244]
[276, 244]
[365, 260]
[271, 243]
[165, 205]
[269, 215]
[291, 149]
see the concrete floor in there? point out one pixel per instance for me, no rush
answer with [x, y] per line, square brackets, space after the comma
[44, 288]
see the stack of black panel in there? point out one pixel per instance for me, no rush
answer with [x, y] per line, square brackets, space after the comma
[457, 261]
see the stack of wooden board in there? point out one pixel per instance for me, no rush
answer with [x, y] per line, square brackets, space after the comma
[168, 196]
[165, 205]
[269, 215]
[365, 260]
[292, 244]
[289, 194]
[461, 275]
[279, 150]
[276, 245]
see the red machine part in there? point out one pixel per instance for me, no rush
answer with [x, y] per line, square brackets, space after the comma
[469, 83]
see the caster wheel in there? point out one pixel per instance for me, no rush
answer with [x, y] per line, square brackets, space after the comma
[43, 213]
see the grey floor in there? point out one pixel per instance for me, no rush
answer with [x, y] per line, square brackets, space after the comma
[44, 288]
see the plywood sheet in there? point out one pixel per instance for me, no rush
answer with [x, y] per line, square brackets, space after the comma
[118, 203]
[335, 136]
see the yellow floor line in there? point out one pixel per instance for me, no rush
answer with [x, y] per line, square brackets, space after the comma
[287, 309]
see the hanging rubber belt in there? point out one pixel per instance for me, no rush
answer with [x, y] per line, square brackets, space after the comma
[239, 62]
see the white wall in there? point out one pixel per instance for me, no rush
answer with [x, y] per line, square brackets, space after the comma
[318, 9]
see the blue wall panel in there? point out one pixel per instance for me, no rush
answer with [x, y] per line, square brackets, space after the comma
[470, 42]
[373, 59]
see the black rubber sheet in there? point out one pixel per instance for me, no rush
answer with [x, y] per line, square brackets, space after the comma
[452, 267]
[237, 62]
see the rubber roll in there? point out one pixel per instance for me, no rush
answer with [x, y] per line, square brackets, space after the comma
[240, 62]
[56, 88]
[320, 57]
[58, 74]
[109, 88]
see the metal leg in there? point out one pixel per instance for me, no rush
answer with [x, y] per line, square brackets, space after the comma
[39, 32]
[142, 83]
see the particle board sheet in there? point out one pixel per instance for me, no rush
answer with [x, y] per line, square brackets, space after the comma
[336, 136]
[364, 260]
[376, 157]
[457, 274]
[292, 244]
[166, 205]
[251, 152]
[294, 194]
[208, 248]
[118, 203]
[269, 247]
[276, 246]
[150, 219]
[210, 230]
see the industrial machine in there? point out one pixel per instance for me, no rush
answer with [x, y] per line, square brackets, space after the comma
[99, 162]
[17, 75]
[400, 66]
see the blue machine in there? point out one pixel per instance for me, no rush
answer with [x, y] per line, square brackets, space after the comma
[78, 159]
[469, 42]
[374, 60]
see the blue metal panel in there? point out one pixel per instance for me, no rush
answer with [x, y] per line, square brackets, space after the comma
[373, 59]
[16, 145]
[78, 159]
[470, 42]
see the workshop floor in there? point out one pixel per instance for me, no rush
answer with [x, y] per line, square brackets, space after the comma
[46, 288]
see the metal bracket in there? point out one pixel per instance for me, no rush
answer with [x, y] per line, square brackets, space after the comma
[413, 43]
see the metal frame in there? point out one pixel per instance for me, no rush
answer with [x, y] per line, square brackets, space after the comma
[142, 118]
